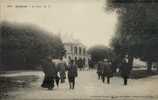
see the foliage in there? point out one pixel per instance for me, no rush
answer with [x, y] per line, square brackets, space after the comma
[99, 52]
[137, 30]
[25, 45]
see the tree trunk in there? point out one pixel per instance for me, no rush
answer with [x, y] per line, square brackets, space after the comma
[149, 66]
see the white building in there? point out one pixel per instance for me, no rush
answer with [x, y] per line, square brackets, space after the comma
[75, 51]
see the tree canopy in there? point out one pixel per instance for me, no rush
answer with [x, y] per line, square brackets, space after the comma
[27, 45]
[137, 31]
[99, 52]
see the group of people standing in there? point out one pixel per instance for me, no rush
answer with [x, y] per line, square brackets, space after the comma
[104, 69]
[56, 73]
[107, 69]
[80, 63]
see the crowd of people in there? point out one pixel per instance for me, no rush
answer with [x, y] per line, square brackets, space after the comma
[80, 63]
[108, 69]
[56, 73]
[104, 70]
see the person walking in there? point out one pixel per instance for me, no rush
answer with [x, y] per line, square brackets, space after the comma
[107, 71]
[125, 70]
[99, 69]
[50, 74]
[62, 68]
[57, 78]
[91, 64]
[72, 74]
[79, 63]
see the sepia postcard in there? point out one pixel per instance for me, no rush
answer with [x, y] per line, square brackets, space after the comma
[78, 50]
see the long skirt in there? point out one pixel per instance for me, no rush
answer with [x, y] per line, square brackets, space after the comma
[48, 82]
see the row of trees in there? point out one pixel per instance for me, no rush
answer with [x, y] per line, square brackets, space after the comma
[136, 34]
[22, 46]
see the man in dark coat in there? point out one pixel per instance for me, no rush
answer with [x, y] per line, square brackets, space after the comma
[72, 74]
[125, 70]
[91, 63]
[107, 71]
[80, 64]
[62, 68]
[50, 72]
[99, 69]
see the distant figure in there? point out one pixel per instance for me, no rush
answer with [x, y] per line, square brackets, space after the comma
[125, 71]
[106, 71]
[114, 66]
[57, 78]
[50, 72]
[80, 64]
[91, 64]
[83, 63]
[99, 69]
[72, 74]
[62, 68]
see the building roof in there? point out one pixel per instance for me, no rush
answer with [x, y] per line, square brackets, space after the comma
[76, 44]
[70, 40]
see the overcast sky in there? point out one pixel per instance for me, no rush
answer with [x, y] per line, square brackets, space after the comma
[86, 20]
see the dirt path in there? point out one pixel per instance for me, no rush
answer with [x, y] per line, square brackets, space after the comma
[89, 87]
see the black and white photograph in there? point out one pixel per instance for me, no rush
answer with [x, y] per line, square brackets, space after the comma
[78, 50]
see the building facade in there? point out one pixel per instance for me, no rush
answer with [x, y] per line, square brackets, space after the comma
[75, 51]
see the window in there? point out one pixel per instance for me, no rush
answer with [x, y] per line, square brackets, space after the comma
[75, 50]
[84, 51]
[80, 50]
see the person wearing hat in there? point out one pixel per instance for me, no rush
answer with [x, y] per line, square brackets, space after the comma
[72, 74]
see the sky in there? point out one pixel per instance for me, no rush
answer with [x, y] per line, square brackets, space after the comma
[84, 20]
